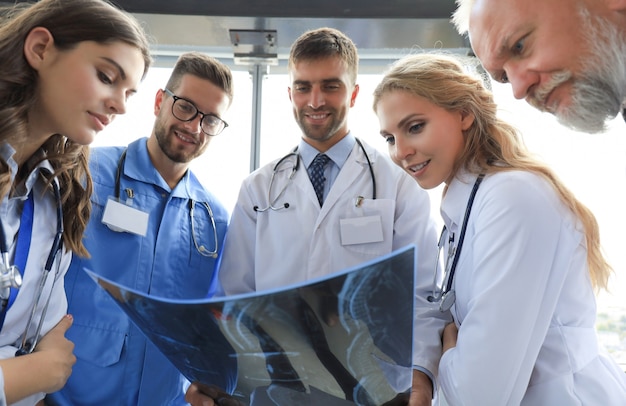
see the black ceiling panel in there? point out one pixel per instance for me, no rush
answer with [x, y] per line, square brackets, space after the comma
[295, 8]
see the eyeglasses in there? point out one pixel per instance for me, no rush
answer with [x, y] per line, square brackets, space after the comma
[184, 110]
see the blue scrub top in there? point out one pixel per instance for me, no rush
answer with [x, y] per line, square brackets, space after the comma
[115, 363]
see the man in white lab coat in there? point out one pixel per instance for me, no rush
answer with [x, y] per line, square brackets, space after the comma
[281, 232]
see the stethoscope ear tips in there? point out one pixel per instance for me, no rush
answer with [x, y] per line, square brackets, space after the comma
[258, 210]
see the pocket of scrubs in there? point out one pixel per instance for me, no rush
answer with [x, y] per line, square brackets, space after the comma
[381, 213]
[100, 347]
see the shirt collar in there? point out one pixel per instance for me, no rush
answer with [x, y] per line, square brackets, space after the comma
[454, 202]
[139, 167]
[7, 152]
[338, 153]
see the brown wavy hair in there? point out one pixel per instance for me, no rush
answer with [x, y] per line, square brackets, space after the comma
[491, 144]
[70, 22]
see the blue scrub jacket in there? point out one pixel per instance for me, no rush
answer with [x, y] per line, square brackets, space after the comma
[115, 364]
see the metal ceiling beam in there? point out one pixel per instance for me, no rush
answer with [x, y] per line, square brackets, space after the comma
[291, 8]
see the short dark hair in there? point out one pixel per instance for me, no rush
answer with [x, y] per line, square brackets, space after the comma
[204, 67]
[325, 43]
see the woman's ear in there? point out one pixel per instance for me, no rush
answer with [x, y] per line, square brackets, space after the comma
[38, 41]
[467, 119]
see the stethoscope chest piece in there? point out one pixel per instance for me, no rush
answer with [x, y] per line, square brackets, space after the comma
[447, 300]
[10, 277]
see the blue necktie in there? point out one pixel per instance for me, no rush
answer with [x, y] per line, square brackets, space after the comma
[316, 174]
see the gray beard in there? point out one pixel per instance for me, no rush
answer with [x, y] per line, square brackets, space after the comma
[599, 92]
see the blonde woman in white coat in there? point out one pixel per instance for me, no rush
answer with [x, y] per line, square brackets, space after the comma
[525, 273]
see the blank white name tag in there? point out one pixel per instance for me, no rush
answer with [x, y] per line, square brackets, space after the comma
[361, 230]
[121, 217]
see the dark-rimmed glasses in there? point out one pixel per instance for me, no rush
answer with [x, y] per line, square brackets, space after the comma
[184, 110]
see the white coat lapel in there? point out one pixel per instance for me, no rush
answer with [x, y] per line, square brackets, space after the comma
[353, 170]
[305, 191]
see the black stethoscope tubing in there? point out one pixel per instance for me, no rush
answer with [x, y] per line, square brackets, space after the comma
[118, 174]
[369, 164]
[445, 305]
[27, 344]
[295, 169]
[56, 245]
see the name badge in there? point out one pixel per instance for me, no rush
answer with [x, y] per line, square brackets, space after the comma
[121, 217]
[361, 230]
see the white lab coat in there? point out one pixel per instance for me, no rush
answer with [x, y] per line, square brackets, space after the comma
[525, 304]
[264, 250]
[44, 229]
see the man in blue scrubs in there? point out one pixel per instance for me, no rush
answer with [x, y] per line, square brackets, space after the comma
[143, 236]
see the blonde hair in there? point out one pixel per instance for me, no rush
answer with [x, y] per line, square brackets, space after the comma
[491, 145]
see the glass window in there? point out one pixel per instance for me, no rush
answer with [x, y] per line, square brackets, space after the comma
[279, 131]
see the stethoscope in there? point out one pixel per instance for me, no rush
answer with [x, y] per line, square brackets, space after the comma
[446, 295]
[202, 250]
[11, 277]
[294, 169]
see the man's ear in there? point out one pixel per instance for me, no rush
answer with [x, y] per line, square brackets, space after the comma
[355, 93]
[158, 100]
[38, 41]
